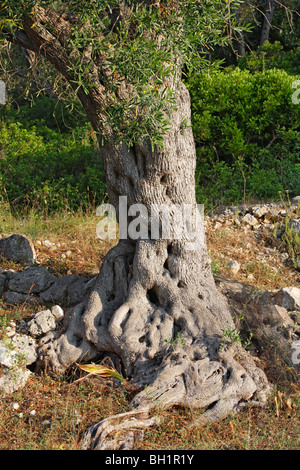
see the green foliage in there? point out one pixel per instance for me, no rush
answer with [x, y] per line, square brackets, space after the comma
[270, 56]
[248, 135]
[137, 48]
[47, 166]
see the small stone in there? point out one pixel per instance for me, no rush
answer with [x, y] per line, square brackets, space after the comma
[15, 406]
[9, 332]
[295, 225]
[32, 412]
[41, 323]
[234, 266]
[57, 312]
[47, 243]
[46, 423]
[259, 211]
[250, 220]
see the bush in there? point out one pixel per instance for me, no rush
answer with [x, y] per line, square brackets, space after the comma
[247, 135]
[47, 166]
[270, 56]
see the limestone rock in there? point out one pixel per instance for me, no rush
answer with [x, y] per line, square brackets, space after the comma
[57, 312]
[2, 283]
[26, 345]
[17, 298]
[295, 225]
[13, 379]
[58, 292]
[69, 288]
[45, 321]
[234, 266]
[259, 211]
[17, 248]
[31, 280]
[288, 297]
[250, 220]
[13, 359]
[7, 355]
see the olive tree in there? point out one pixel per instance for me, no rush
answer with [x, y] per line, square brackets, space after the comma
[154, 306]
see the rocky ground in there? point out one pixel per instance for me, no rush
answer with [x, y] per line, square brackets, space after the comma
[255, 253]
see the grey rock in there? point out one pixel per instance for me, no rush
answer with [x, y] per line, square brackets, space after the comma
[76, 291]
[295, 225]
[58, 292]
[234, 266]
[57, 312]
[288, 297]
[17, 298]
[17, 248]
[286, 319]
[32, 280]
[13, 379]
[250, 220]
[68, 289]
[259, 211]
[27, 346]
[2, 283]
[41, 323]
[13, 358]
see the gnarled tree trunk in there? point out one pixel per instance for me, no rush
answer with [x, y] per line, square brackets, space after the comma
[155, 305]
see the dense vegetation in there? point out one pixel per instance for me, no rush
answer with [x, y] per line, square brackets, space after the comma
[247, 131]
[246, 127]
[49, 160]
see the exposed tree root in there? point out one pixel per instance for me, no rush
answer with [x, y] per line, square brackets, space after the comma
[166, 323]
[116, 432]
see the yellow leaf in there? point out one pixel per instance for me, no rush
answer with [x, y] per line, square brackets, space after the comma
[103, 371]
[232, 426]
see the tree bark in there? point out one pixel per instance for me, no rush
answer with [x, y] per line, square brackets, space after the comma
[155, 305]
[265, 33]
[240, 36]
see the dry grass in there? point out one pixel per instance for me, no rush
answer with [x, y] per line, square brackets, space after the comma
[255, 254]
[63, 410]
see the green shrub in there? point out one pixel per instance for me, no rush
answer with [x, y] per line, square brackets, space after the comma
[47, 166]
[247, 133]
[270, 56]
